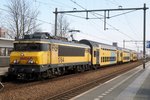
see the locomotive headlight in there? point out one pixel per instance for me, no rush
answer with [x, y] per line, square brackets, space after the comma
[16, 61]
[30, 61]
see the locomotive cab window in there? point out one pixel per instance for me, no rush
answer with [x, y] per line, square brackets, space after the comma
[31, 47]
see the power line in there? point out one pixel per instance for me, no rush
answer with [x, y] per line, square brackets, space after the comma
[63, 4]
[122, 13]
[78, 4]
[81, 6]
[102, 20]
[96, 36]
[52, 4]
[83, 18]
[108, 36]
[116, 3]
[115, 28]
[76, 16]
[129, 25]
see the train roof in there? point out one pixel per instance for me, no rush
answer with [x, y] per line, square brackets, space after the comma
[119, 48]
[53, 41]
[71, 43]
[44, 37]
[127, 50]
[97, 44]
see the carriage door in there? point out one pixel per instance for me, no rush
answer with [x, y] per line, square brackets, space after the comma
[97, 56]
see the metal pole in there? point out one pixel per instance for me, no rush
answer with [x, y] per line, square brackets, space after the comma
[104, 20]
[123, 43]
[87, 15]
[138, 49]
[144, 35]
[55, 21]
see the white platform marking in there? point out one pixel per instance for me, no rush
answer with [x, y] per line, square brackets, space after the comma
[139, 69]
[131, 90]
[96, 99]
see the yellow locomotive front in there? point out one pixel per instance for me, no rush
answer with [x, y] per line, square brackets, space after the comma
[29, 58]
[31, 53]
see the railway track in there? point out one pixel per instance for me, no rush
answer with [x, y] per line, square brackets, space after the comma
[47, 89]
[82, 88]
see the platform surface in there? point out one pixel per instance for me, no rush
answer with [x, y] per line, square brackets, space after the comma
[132, 85]
[3, 70]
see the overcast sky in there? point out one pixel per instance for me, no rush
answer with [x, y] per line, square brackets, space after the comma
[125, 27]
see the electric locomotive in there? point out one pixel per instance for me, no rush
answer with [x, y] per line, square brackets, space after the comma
[39, 56]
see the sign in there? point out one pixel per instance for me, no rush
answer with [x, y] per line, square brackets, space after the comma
[148, 44]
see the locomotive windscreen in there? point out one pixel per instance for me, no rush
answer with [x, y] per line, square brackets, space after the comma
[30, 47]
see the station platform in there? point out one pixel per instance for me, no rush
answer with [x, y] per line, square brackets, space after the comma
[132, 85]
[3, 70]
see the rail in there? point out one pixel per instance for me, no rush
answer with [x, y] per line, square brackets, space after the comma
[84, 87]
[2, 86]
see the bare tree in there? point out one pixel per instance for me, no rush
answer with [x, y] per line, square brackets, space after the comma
[22, 18]
[1, 19]
[62, 26]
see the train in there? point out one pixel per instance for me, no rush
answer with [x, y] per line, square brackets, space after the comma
[39, 56]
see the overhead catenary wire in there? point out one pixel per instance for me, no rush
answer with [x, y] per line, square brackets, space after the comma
[129, 25]
[97, 28]
[122, 13]
[76, 16]
[81, 6]
[89, 22]
[62, 4]
[95, 36]
[94, 15]
[102, 20]
[117, 4]
[68, 14]
[115, 28]
[55, 3]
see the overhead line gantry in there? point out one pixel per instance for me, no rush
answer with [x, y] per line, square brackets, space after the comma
[144, 8]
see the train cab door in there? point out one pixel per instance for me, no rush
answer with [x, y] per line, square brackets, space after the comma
[97, 56]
